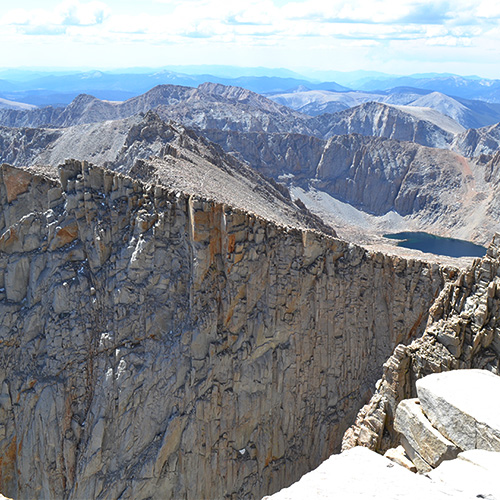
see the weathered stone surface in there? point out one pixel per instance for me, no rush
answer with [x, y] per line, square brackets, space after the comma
[182, 348]
[474, 472]
[429, 443]
[415, 457]
[359, 474]
[468, 307]
[399, 456]
[464, 405]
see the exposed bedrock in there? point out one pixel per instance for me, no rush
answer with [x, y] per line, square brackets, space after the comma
[159, 345]
[463, 331]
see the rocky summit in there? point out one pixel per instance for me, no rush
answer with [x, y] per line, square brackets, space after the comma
[196, 303]
[156, 344]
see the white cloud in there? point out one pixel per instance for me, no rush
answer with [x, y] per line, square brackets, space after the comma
[75, 13]
[294, 29]
[54, 22]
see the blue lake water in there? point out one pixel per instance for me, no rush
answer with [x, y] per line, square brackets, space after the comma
[430, 243]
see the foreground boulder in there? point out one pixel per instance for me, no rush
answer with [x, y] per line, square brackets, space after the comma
[464, 405]
[420, 439]
[474, 472]
[360, 473]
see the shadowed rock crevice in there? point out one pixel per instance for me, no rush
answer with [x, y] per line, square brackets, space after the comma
[175, 346]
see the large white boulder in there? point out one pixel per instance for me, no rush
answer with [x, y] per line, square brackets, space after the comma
[360, 473]
[474, 472]
[464, 405]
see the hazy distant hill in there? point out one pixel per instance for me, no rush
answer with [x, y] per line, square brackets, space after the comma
[452, 85]
[56, 89]
[468, 113]
[316, 102]
[6, 104]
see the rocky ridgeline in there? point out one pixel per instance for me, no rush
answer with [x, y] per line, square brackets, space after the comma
[157, 344]
[463, 331]
[451, 433]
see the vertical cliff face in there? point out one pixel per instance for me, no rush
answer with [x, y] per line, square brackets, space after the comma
[463, 331]
[160, 345]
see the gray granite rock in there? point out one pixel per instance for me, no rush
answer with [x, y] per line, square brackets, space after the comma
[464, 405]
[423, 438]
[165, 345]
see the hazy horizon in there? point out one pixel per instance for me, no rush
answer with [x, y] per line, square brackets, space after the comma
[304, 36]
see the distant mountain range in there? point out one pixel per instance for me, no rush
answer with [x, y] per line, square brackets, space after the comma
[468, 113]
[379, 158]
[218, 107]
[57, 88]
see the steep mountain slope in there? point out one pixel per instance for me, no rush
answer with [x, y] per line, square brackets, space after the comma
[476, 142]
[426, 188]
[209, 105]
[186, 162]
[435, 190]
[420, 125]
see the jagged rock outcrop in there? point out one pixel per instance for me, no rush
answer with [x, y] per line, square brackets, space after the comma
[22, 146]
[463, 331]
[156, 344]
[422, 126]
[477, 142]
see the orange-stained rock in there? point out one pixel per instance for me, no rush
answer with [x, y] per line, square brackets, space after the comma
[65, 235]
[16, 182]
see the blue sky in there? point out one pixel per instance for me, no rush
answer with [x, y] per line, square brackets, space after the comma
[403, 37]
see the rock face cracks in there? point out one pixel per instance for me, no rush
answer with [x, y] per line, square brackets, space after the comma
[463, 331]
[155, 344]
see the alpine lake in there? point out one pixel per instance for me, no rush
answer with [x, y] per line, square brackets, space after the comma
[438, 245]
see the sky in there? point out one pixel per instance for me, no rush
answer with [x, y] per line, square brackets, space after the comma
[398, 37]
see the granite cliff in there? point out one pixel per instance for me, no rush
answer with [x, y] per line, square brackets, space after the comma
[430, 189]
[160, 344]
[463, 331]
